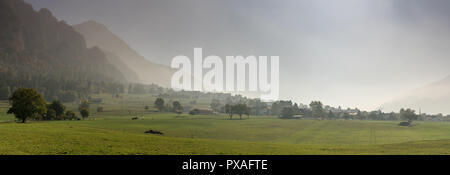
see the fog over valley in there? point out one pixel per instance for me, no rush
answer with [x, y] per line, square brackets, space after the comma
[225, 77]
[353, 53]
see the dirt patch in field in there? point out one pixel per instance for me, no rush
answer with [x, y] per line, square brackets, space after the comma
[154, 132]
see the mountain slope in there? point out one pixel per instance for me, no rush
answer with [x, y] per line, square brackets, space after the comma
[433, 99]
[37, 44]
[98, 35]
[129, 74]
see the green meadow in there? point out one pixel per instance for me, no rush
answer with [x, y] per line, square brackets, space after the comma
[112, 132]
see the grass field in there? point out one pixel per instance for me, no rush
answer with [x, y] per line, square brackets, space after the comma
[113, 132]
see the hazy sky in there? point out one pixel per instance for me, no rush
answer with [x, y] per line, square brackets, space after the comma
[353, 53]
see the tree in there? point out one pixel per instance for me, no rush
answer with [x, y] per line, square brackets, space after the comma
[408, 114]
[84, 108]
[275, 109]
[296, 108]
[257, 107]
[84, 113]
[278, 106]
[240, 109]
[393, 116]
[346, 116]
[331, 115]
[58, 107]
[71, 115]
[229, 110]
[25, 103]
[50, 115]
[287, 112]
[317, 109]
[247, 111]
[177, 108]
[159, 104]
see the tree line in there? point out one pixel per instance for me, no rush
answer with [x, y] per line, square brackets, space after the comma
[64, 90]
[27, 103]
[229, 109]
[317, 110]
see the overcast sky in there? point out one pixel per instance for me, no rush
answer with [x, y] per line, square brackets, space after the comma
[350, 53]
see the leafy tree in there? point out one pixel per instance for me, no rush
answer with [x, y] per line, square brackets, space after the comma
[247, 111]
[159, 104]
[58, 107]
[229, 110]
[25, 103]
[278, 106]
[84, 108]
[317, 109]
[287, 112]
[331, 115]
[346, 115]
[177, 108]
[240, 109]
[393, 116]
[71, 115]
[84, 113]
[50, 115]
[408, 114]
[257, 107]
[276, 109]
[305, 112]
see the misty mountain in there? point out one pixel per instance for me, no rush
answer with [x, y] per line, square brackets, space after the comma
[97, 35]
[129, 74]
[432, 99]
[36, 44]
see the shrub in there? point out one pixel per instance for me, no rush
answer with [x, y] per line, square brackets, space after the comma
[84, 113]
[71, 115]
[58, 107]
[50, 115]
